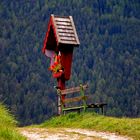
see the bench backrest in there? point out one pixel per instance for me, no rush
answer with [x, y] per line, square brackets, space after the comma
[73, 90]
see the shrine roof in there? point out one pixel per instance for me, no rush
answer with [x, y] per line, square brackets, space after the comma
[64, 30]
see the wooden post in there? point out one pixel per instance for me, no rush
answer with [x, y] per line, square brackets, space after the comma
[59, 106]
[83, 94]
[61, 85]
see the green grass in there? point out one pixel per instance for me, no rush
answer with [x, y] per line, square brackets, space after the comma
[121, 126]
[8, 126]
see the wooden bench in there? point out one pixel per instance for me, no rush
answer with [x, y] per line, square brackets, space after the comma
[81, 97]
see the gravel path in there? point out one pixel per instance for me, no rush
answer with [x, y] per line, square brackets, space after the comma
[68, 134]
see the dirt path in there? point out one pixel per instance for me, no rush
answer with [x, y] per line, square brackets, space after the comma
[68, 134]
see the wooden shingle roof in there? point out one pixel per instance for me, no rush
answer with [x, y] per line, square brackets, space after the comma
[63, 30]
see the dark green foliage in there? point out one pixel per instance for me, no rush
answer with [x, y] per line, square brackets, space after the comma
[108, 57]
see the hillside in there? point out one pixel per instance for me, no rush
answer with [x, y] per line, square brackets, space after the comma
[107, 59]
[91, 121]
[8, 126]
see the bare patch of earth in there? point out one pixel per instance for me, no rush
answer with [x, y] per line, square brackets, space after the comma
[68, 134]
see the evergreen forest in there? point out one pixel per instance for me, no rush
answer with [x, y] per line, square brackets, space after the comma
[108, 58]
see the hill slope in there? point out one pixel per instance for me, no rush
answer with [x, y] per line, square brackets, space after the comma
[92, 121]
[8, 126]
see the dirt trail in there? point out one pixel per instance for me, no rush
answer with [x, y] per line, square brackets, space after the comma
[68, 134]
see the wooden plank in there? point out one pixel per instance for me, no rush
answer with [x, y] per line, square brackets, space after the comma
[75, 99]
[66, 34]
[63, 23]
[68, 42]
[77, 39]
[67, 38]
[60, 30]
[62, 19]
[73, 108]
[64, 27]
[70, 90]
[73, 90]
[53, 19]
[96, 105]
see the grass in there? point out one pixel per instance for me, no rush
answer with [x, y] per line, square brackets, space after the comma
[8, 126]
[121, 126]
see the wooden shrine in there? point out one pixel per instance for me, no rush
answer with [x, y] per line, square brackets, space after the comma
[60, 40]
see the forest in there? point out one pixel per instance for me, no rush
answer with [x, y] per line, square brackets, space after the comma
[108, 58]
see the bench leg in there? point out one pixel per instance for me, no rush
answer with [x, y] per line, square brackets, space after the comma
[64, 112]
[59, 107]
[102, 110]
[78, 111]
